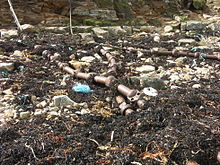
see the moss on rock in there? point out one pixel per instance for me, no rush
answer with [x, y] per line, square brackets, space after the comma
[96, 22]
[199, 4]
[104, 3]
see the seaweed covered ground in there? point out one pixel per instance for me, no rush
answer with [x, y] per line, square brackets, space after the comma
[181, 123]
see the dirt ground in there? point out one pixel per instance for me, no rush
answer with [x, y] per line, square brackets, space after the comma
[175, 126]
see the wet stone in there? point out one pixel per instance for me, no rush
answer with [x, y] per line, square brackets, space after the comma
[145, 68]
[25, 115]
[62, 100]
[6, 67]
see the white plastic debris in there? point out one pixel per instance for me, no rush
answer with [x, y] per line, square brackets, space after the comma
[149, 91]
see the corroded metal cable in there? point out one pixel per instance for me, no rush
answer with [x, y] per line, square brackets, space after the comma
[176, 53]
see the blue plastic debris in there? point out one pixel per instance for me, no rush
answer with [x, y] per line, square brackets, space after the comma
[195, 49]
[21, 68]
[82, 88]
[4, 73]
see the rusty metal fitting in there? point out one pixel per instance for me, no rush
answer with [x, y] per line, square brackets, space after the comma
[100, 79]
[69, 70]
[46, 53]
[175, 52]
[112, 62]
[54, 57]
[136, 97]
[126, 91]
[112, 69]
[125, 109]
[61, 65]
[164, 52]
[108, 81]
[103, 51]
[123, 106]
[109, 56]
[141, 103]
[197, 54]
[152, 51]
[218, 156]
[85, 76]
[181, 53]
[191, 163]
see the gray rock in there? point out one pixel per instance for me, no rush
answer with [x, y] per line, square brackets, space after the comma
[88, 59]
[8, 33]
[155, 83]
[28, 28]
[193, 25]
[82, 112]
[100, 32]
[134, 80]
[6, 67]
[53, 113]
[87, 37]
[168, 28]
[96, 13]
[62, 100]
[18, 54]
[104, 14]
[196, 86]
[215, 27]
[82, 29]
[180, 60]
[128, 29]
[145, 68]
[116, 30]
[186, 41]
[25, 115]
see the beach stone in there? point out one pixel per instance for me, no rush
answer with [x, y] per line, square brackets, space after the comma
[186, 41]
[145, 68]
[196, 86]
[100, 32]
[25, 115]
[88, 59]
[6, 67]
[62, 100]
[193, 25]
[28, 28]
[156, 83]
[168, 29]
[87, 37]
[181, 60]
[116, 30]
[9, 33]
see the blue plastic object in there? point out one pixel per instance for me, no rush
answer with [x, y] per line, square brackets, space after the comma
[82, 88]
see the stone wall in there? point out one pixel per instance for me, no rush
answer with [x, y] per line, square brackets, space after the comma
[57, 11]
